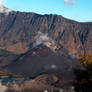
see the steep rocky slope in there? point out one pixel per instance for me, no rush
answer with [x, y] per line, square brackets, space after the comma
[21, 28]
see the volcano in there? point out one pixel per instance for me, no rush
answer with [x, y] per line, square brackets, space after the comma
[42, 59]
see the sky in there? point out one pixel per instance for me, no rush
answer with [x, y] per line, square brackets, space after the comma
[79, 10]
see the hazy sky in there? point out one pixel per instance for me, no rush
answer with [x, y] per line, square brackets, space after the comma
[80, 10]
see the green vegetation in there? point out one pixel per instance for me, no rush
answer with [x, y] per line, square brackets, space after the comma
[85, 60]
[84, 77]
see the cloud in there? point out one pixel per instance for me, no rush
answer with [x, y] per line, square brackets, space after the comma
[66, 2]
[3, 9]
[2, 87]
[2, 3]
[73, 2]
[73, 56]
[53, 66]
[43, 37]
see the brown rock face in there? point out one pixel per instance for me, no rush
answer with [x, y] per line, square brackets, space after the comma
[21, 27]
